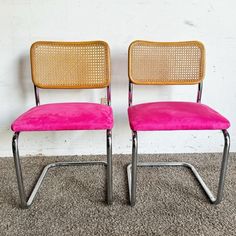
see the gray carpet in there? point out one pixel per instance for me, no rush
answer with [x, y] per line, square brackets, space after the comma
[71, 200]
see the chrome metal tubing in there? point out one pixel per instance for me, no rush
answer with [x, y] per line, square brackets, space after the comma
[109, 168]
[207, 191]
[108, 95]
[36, 94]
[132, 175]
[18, 171]
[130, 95]
[54, 165]
[199, 92]
[26, 203]
[224, 165]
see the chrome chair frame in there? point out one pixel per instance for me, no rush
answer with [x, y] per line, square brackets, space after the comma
[25, 202]
[132, 167]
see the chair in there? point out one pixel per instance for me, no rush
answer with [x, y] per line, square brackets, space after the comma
[171, 63]
[67, 65]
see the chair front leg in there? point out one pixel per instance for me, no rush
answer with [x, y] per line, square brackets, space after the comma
[224, 165]
[134, 168]
[19, 177]
[109, 167]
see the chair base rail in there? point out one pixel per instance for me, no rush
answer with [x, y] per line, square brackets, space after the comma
[132, 170]
[28, 203]
[201, 182]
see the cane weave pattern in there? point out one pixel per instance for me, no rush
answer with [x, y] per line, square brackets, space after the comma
[166, 62]
[70, 64]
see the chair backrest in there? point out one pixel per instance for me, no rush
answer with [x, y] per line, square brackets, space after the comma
[164, 63]
[59, 65]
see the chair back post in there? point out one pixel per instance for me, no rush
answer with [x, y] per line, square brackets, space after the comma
[108, 95]
[199, 93]
[36, 94]
[130, 93]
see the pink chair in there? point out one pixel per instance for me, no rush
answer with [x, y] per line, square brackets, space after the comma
[67, 65]
[171, 63]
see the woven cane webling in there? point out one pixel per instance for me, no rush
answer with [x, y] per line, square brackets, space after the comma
[166, 63]
[70, 64]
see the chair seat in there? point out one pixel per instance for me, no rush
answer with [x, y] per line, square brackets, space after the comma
[175, 116]
[65, 116]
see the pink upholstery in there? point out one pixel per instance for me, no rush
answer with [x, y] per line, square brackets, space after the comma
[65, 116]
[175, 116]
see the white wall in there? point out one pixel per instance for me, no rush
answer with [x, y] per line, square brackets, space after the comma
[117, 22]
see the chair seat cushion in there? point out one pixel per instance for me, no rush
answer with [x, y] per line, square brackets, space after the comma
[175, 116]
[65, 116]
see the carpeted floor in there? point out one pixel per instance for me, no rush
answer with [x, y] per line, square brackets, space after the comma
[71, 200]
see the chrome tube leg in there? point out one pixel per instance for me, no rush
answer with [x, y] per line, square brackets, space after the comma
[26, 202]
[109, 168]
[131, 171]
[19, 177]
[224, 165]
[134, 168]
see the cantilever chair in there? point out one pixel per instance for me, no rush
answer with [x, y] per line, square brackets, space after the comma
[171, 63]
[67, 65]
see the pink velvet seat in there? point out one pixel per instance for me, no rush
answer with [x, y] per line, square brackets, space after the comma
[65, 116]
[175, 116]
